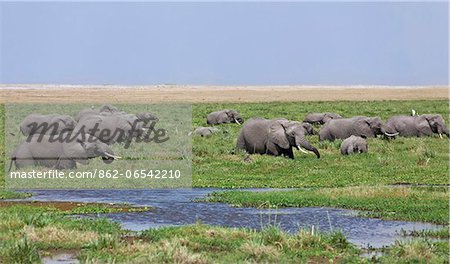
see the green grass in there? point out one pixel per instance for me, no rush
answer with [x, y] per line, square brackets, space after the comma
[400, 203]
[206, 244]
[27, 229]
[5, 194]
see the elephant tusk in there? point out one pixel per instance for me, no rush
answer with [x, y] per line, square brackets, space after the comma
[301, 149]
[391, 135]
[237, 121]
[112, 156]
[440, 135]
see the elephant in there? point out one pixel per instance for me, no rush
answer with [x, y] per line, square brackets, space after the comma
[52, 124]
[354, 144]
[368, 127]
[205, 131]
[273, 137]
[60, 153]
[309, 128]
[146, 118]
[111, 128]
[103, 110]
[418, 125]
[223, 117]
[320, 118]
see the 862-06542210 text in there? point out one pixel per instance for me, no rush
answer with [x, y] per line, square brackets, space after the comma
[98, 174]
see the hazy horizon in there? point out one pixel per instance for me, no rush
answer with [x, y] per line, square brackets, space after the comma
[225, 44]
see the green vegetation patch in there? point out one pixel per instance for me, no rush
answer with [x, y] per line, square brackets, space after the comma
[5, 194]
[206, 244]
[399, 203]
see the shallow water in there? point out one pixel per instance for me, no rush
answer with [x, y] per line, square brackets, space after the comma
[174, 207]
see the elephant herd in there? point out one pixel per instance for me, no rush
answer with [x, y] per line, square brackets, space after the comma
[60, 141]
[92, 131]
[279, 136]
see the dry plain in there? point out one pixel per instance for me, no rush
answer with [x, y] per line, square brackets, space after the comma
[212, 94]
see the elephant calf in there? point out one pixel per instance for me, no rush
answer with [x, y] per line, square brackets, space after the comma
[273, 137]
[353, 144]
[418, 125]
[224, 117]
[52, 124]
[320, 118]
[367, 127]
[205, 131]
[60, 153]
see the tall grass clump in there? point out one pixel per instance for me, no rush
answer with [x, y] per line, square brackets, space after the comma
[24, 252]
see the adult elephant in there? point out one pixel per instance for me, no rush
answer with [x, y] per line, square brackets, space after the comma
[223, 117]
[52, 124]
[60, 153]
[320, 118]
[103, 110]
[273, 137]
[354, 144]
[418, 126]
[366, 127]
[111, 128]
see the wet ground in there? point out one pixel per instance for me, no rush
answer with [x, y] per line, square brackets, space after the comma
[175, 207]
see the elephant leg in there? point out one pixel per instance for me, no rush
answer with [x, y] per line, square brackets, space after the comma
[271, 149]
[23, 158]
[240, 144]
[290, 153]
[350, 149]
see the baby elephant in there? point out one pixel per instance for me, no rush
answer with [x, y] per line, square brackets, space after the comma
[223, 117]
[205, 131]
[46, 124]
[353, 144]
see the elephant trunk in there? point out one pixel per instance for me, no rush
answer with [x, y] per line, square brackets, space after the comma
[302, 142]
[444, 131]
[108, 156]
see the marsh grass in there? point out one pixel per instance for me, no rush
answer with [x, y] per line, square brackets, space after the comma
[5, 194]
[401, 203]
[23, 251]
[439, 233]
[416, 251]
[27, 229]
[206, 244]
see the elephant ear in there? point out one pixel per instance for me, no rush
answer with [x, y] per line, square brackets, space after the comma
[278, 133]
[422, 124]
[75, 151]
[224, 117]
[434, 120]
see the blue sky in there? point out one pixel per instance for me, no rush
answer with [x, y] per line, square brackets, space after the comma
[237, 43]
